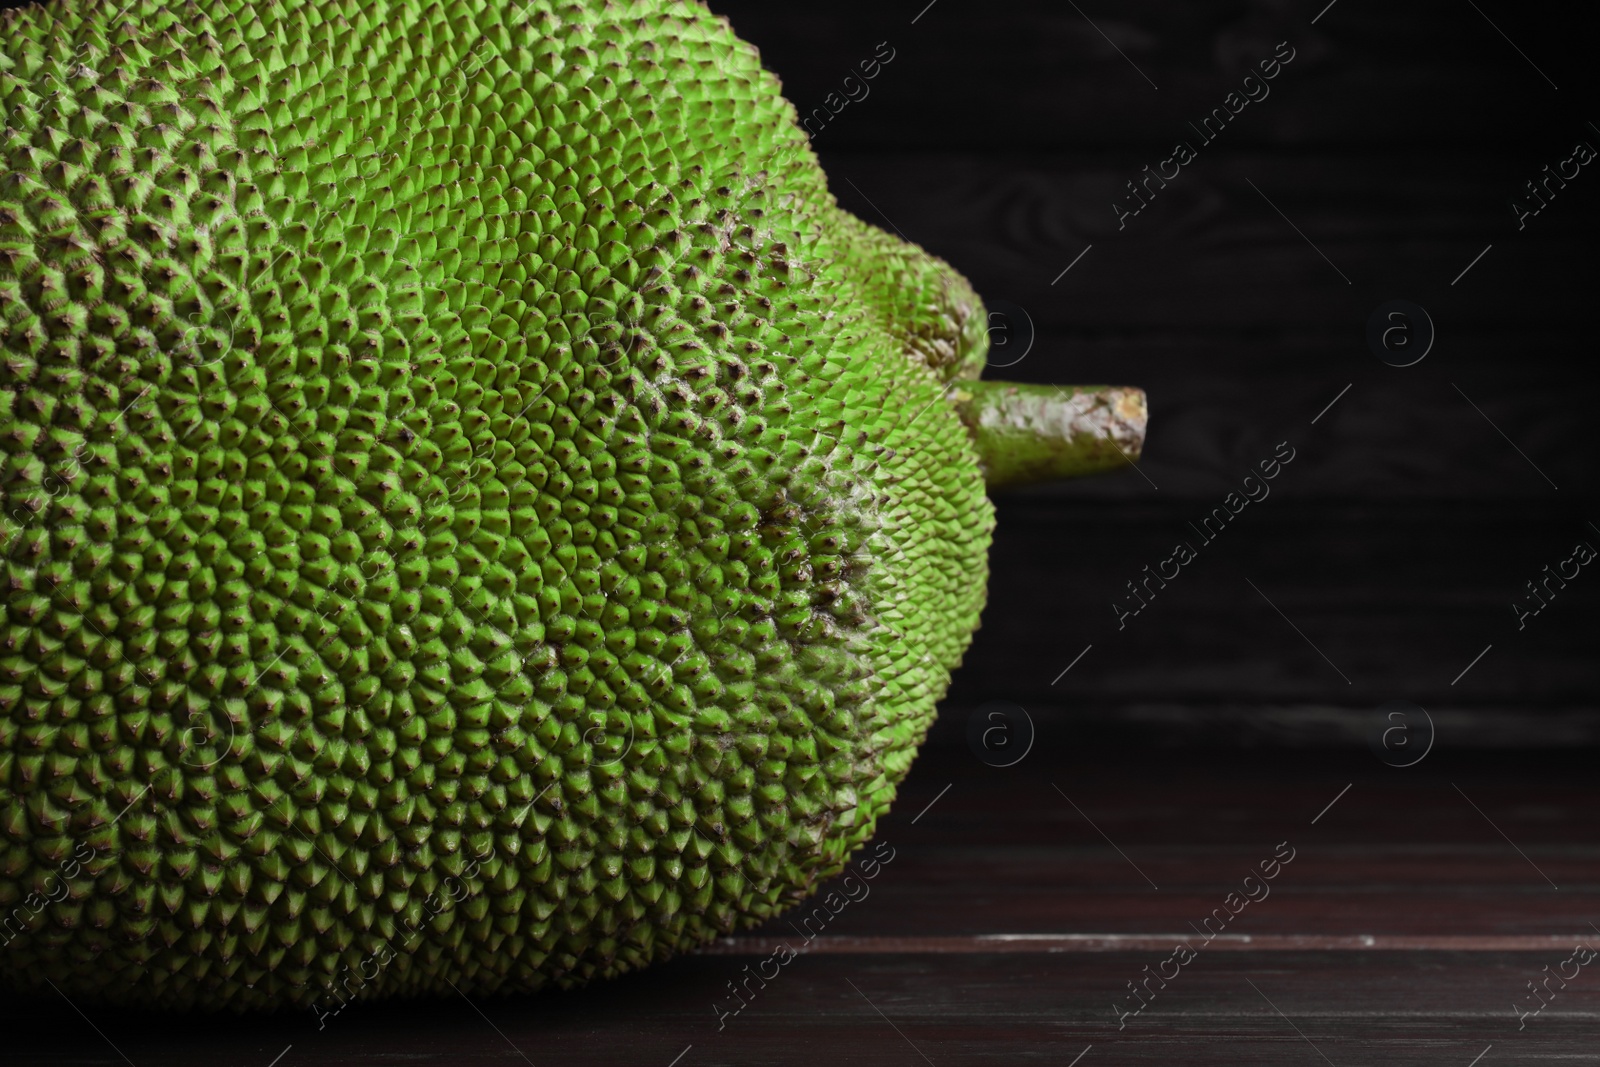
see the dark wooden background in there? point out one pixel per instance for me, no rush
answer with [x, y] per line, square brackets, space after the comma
[999, 138]
[1177, 753]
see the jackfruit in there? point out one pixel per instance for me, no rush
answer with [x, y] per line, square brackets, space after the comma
[477, 513]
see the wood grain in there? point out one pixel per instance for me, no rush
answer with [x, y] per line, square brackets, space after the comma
[1405, 1008]
[1400, 598]
[1035, 73]
[1404, 930]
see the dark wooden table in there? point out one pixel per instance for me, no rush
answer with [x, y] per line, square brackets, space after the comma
[1019, 904]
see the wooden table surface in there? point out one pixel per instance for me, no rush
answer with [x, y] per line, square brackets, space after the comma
[1021, 901]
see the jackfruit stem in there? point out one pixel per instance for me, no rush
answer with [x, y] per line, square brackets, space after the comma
[1035, 433]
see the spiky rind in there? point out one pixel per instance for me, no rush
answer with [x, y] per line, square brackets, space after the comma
[474, 513]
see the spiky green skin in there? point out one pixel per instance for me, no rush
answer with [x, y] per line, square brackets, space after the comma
[447, 442]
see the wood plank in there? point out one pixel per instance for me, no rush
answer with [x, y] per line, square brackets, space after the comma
[1431, 74]
[1392, 1007]
[1052, 944]
[1404, 930]
[1401, 597]
[1379, 852]
[1211, 253]
[1242, 334]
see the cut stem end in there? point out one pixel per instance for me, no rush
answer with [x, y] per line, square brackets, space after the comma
[1037, 433]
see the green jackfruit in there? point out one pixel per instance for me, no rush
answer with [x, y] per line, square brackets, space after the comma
[476, 512]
